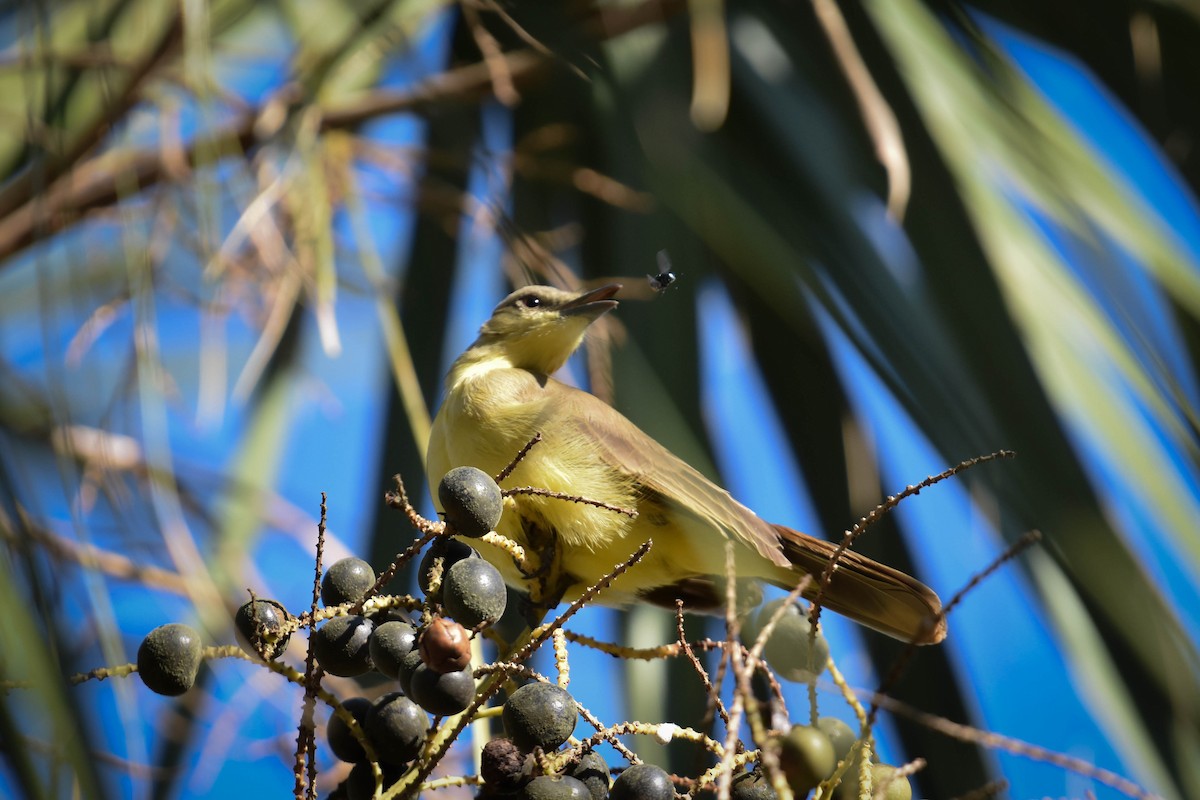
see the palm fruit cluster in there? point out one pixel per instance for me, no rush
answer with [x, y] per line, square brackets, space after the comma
[429, 659]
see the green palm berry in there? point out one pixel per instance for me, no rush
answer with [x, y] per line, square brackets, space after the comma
[643, 782]
[806, 757]
[442, 693]
[841, 735]
[341, 741]
[471, 500]
[397, 728]
[389, 644]
[554, 787]
[260, 625]
[790, 650]
[540, 715]
[346, 581]
[473, 593]
[592, 771]
[169, 659]
[894, 788]
[342, 645]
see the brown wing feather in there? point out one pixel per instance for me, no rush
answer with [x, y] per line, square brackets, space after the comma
[660, 472]
[874, 594]
[871, 593]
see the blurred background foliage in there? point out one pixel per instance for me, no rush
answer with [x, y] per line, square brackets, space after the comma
[240, 242]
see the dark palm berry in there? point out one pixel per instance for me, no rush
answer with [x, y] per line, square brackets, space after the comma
[360, 783]
[408, 666]
[554, 787]
[442, 694]
[346, 581]
[397, 729]
[445, 645]
[260, 625]
[451, 551]
[592, 771]
[473, 592]
[502, 765]
[341, 741]
[806, 757]
[643, 782]
[471, 501]
[751, 786]
[342, 645]
[169, 658]
[389, 644]
[539, 715]
[790, 650]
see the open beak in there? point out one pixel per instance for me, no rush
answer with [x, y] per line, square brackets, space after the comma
[593, 304]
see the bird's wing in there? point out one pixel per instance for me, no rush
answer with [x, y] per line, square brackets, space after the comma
[863, 589]
[662, 477]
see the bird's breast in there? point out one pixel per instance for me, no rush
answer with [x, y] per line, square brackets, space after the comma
[484, 422]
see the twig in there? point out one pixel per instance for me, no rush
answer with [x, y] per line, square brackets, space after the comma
[876, 513]
[906, 655]
[103, 179]
[570, 498]
[306, 743]
[504, 473]
[714, 699]
[877, 115]
[1008, 744]
[493, 57]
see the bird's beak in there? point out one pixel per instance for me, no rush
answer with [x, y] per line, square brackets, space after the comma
[593, 304]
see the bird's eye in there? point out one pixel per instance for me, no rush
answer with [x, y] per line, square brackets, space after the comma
[529, 301]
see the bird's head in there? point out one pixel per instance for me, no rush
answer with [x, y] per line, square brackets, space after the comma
[538, 327]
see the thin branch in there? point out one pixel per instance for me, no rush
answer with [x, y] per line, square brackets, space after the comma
[877, 115]
[106, 178]
[996, 741]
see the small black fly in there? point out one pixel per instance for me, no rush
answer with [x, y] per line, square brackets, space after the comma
[665, 276]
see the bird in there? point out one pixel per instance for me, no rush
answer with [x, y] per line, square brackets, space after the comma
[501, 392]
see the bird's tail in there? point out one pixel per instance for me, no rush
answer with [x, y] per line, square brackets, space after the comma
[866, 591]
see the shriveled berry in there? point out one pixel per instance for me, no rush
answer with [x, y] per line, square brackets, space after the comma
[341, 741]
[471, 501]
[389, 644]
[451, 551]
[445, 645]
[442, 694]
[397, 728]
[643, 782]
[408, 665]
[806, 757]
[790, 651]
[260, 628]
[169, 658]
[473, 592]
[342, 645]
[539, 715]
[554, 787]
[502, 764]
[592, 771]
[346, 581]
[751, 786]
